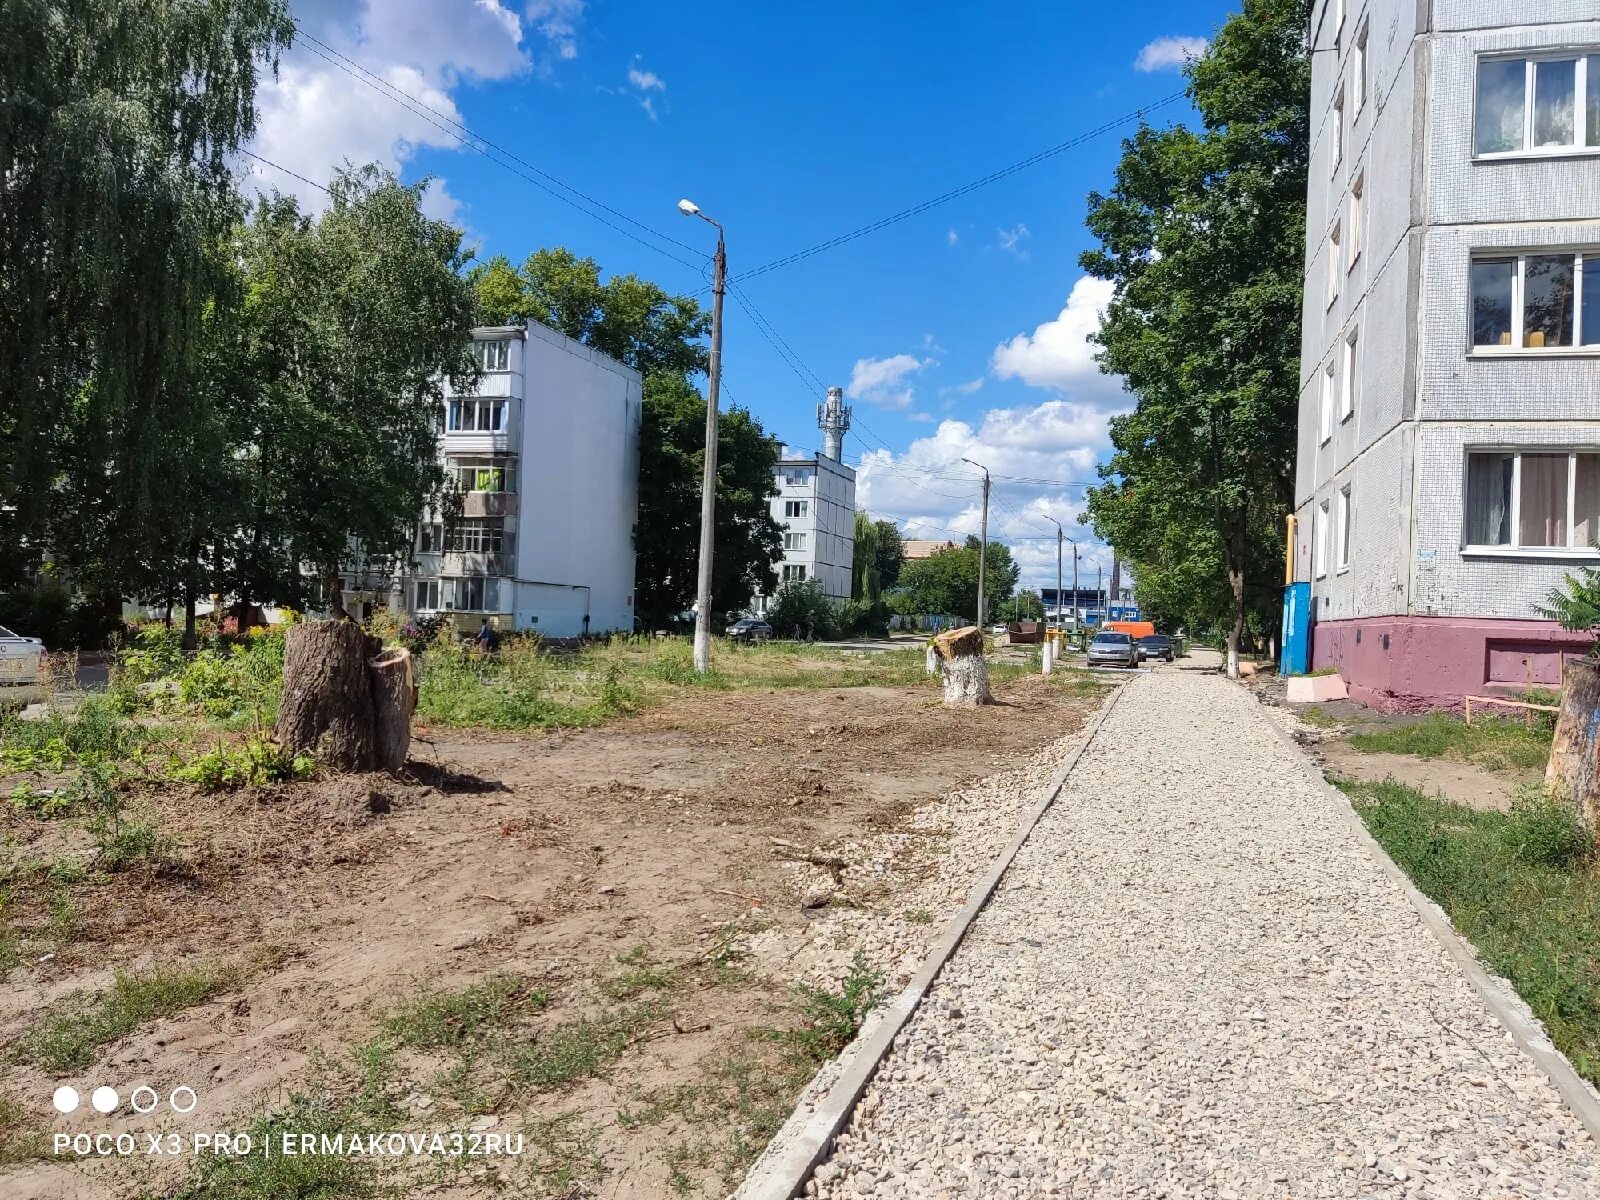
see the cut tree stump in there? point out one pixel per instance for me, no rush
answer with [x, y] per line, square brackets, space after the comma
[966, 676]
[1573, 774]
[328, 708]
[394, 696]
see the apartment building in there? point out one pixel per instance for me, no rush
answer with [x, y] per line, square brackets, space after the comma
[545, 455]
[1448, 471]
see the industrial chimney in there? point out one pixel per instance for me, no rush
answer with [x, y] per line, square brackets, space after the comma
[833, 418]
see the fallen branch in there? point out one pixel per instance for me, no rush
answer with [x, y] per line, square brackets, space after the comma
[736, 895]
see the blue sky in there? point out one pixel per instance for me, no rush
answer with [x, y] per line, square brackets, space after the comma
[957, 332]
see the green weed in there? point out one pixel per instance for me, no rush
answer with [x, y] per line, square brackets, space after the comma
[252, 763]
[831, 1020]
[440, 1018]
[69, 1039]
[275, 1176]
[21, 1138]
[1487, 741]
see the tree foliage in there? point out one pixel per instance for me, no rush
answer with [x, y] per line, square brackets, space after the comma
[800, 608]
[115, 129]
[1203, 235]
[946, 583]
[1576, 604]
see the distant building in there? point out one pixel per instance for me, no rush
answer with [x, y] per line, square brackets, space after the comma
[1449, 436]
[546, 456]
[913, 548]
[816, 505]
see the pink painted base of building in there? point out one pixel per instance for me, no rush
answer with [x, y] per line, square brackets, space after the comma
[1413, 664]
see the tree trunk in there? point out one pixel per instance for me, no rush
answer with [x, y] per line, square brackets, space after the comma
[1234, 555]
[1573, 774]
[966, 676]
[394, 696]
[327, 709]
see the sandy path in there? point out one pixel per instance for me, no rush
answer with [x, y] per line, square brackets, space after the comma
[1196, 981]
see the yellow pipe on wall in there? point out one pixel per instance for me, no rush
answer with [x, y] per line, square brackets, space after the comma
[1291, 523]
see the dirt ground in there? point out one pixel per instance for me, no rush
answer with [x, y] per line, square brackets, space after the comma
[557, 859]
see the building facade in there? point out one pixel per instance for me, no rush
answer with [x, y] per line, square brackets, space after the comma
[816, 505]
[545, 456]
[1448, 472]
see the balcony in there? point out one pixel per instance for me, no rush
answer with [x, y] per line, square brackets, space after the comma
[458, 562]
[489, 504]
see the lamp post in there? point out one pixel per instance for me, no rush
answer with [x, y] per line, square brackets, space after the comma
[708, 485]
[983, 541]
[1061, 536]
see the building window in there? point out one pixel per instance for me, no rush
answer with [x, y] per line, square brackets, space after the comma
[1342, 531]
[1335, 261]
[476, 416]
[1319, 551]
[794, 541]
[1338, 22]
[1338, 128]
[1536, 302]
[1357, 231]
[427, 595]
[795, 508]
[1351, 393]
[1358, 65]
[476, 535]
[796, 476]
[1540, 104]
[430, 537]
[473, 593]
[1325, 406]
[1535, 499]
[493, 356]
[483, 474]
[794, 573]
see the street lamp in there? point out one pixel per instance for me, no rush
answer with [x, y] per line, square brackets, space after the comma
[1061, 535]
[708, 485]
[983, 541]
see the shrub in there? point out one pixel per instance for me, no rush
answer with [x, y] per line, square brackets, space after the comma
[1543, 832]
[858, 618]
[254, 762]
[804, 607]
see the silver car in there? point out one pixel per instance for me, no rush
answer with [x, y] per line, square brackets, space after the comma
[1113, 650]
[21, 665]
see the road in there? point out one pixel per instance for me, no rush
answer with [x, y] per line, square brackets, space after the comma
[1196, 980]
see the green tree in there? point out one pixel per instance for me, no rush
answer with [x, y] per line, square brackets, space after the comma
[890, 548]
[1028, 606]
[946, 583]
[351, 325]
[115, 130]
[802, 609]
[667, 540]
[866, 575]
[1203, 235]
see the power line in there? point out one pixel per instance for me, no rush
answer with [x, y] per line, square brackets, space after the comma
[285, 170]
[956, 193]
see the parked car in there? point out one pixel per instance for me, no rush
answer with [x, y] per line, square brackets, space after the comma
[21, 666]
[750, 629]
[1155, 645]
[1113, 650]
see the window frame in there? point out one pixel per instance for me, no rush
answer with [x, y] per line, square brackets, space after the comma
[794, 541]
[1326, 398]
[1319, 549]
[496, 349]
[457, 406]
[1349, 390]
[1342, 530]
[1356, 219]
[795, 509]
[1335, 261]
[1514, 549]
[431, 586]
[1580, 56]
[1338, 130]
[1358, 64]
[1583, 257]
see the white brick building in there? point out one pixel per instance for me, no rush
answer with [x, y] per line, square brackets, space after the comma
[816, 505]
[1449, 451]
[546, 454]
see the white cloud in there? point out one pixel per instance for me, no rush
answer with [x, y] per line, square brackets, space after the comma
[919, 417]
[321, 112]
[1170, 53]
[951, 237]
[933, 494]
[883, 381]
[963, 389]
[1058, 353]
[645, 81]
[1011, 239]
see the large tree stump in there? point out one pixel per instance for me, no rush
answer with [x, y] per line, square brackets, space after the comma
[1573, 774]
[966, 676]
[327, 709]
[394, 695]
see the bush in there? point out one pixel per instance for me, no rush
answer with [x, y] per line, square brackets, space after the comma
[251, 763]
[803, 608]
[858, 618]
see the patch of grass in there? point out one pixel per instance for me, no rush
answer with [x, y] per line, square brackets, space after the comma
[831, 1020]
[92, 731]
[1521, 886]
[920, 916]
[451, 1018]
[69, 1040]
[251, 763]
[1317, 717]
[580, 1048]
[258, 1176]
[124, 845]
[1495, 744]
[563, 1153]
[640, 975]
[21, 1137]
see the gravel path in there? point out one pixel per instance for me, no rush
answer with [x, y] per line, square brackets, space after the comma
[1195, 981]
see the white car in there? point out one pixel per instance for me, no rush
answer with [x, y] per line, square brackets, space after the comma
[21, 664]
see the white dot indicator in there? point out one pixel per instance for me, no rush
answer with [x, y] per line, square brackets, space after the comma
[180, 1091]
[65, 1099]
[105, 1100]
[144, 1099]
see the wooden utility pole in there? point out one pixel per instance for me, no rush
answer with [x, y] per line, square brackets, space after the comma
[983, 540]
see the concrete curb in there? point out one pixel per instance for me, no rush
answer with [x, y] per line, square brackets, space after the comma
[827, 1102]
[1501, 999]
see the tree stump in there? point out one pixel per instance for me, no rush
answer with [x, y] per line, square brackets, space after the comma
[327, 708]
[394, 696]
[1573, 774]
[966, 676]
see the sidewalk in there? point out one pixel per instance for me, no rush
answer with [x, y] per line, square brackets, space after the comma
[1195, 981]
